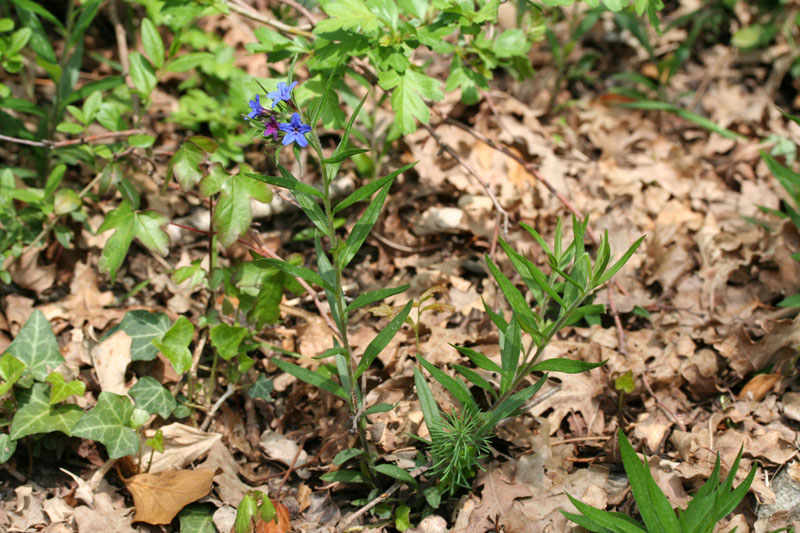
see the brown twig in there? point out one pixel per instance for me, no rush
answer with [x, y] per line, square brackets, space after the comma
[460, 160]
[71, 142]
[247, 11]
[294, 462]
[667, 410]
[302, 9]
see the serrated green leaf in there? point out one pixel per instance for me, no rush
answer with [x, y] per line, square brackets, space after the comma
[151, 396]
[127, 224]
[152, 43]
[408, 91]
[142, 327]
[232, 215]
[36, 415]
[184, 166]
[107, 423]
[352, 15]
[174, 344]
[36, 346]
[60, 390]
[511, 42]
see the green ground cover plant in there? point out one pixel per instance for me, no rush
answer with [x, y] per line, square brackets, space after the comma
[287, 116]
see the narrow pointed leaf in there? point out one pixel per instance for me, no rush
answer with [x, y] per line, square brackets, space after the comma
[312, 378]
[373, 296]
[382, 339]
[568, 366]
[455, 387]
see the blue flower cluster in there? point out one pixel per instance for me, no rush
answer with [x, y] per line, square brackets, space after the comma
[294, 130]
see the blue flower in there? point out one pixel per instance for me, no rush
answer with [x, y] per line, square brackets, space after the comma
[283, 93]
[295, 131]
[257, 110]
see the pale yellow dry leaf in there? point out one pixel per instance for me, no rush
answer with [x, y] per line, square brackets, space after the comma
[111, 359]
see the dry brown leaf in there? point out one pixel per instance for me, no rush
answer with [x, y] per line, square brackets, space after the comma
[104, 516]
[496, 500]
[230, 488]
[27, 273]
[87, 303]
[758, 386]
[746, 355]
[158, 498]
[28, 511]
[111, 359]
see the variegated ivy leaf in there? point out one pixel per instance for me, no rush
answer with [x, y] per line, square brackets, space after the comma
[61, 390]
[7, 447]
[36, 415]
[36, 346]
[11, 370]
[142, 327]
[107, 423]
[151, 396]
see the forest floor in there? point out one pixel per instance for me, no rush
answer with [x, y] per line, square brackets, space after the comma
[692, 317]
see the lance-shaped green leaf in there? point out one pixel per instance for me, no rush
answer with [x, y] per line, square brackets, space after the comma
[232, 215]
[527, 319]
[7, 447]
[60, 390]
[454, 386]
[152, 43]
[474, 378]
[11, 370]
[608, 274]
[299, 272]
[142, 74]
[227, 339]
[308, 204]
[562, 364]
[107, 423]
[365, 193]
[151, 396]
[656, 511]
[382, 339]
[142, 327]
[428, 405]
[36, 346]
[373, 296]
[394, 471]
[312, 378]
[512, 403]
[509, 354]
[174, 344]
[363, 227]
[602, 521]
[36, 415]
[478, 359]
[287, 182]
[127, 223]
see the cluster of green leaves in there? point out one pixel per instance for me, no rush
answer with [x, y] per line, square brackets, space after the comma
[35, 391]
[560, 299]
[708, 506]
[387, 34]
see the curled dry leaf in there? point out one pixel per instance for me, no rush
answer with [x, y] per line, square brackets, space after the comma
[158, 498]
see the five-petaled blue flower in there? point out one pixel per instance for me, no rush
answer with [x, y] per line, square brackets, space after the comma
[257, 110]
[295, 131]
[284, 92]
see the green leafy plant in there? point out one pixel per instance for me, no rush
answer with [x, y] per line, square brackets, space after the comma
[708, 506]
[560, 300]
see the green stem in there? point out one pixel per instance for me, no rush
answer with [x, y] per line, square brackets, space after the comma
[339, 308]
